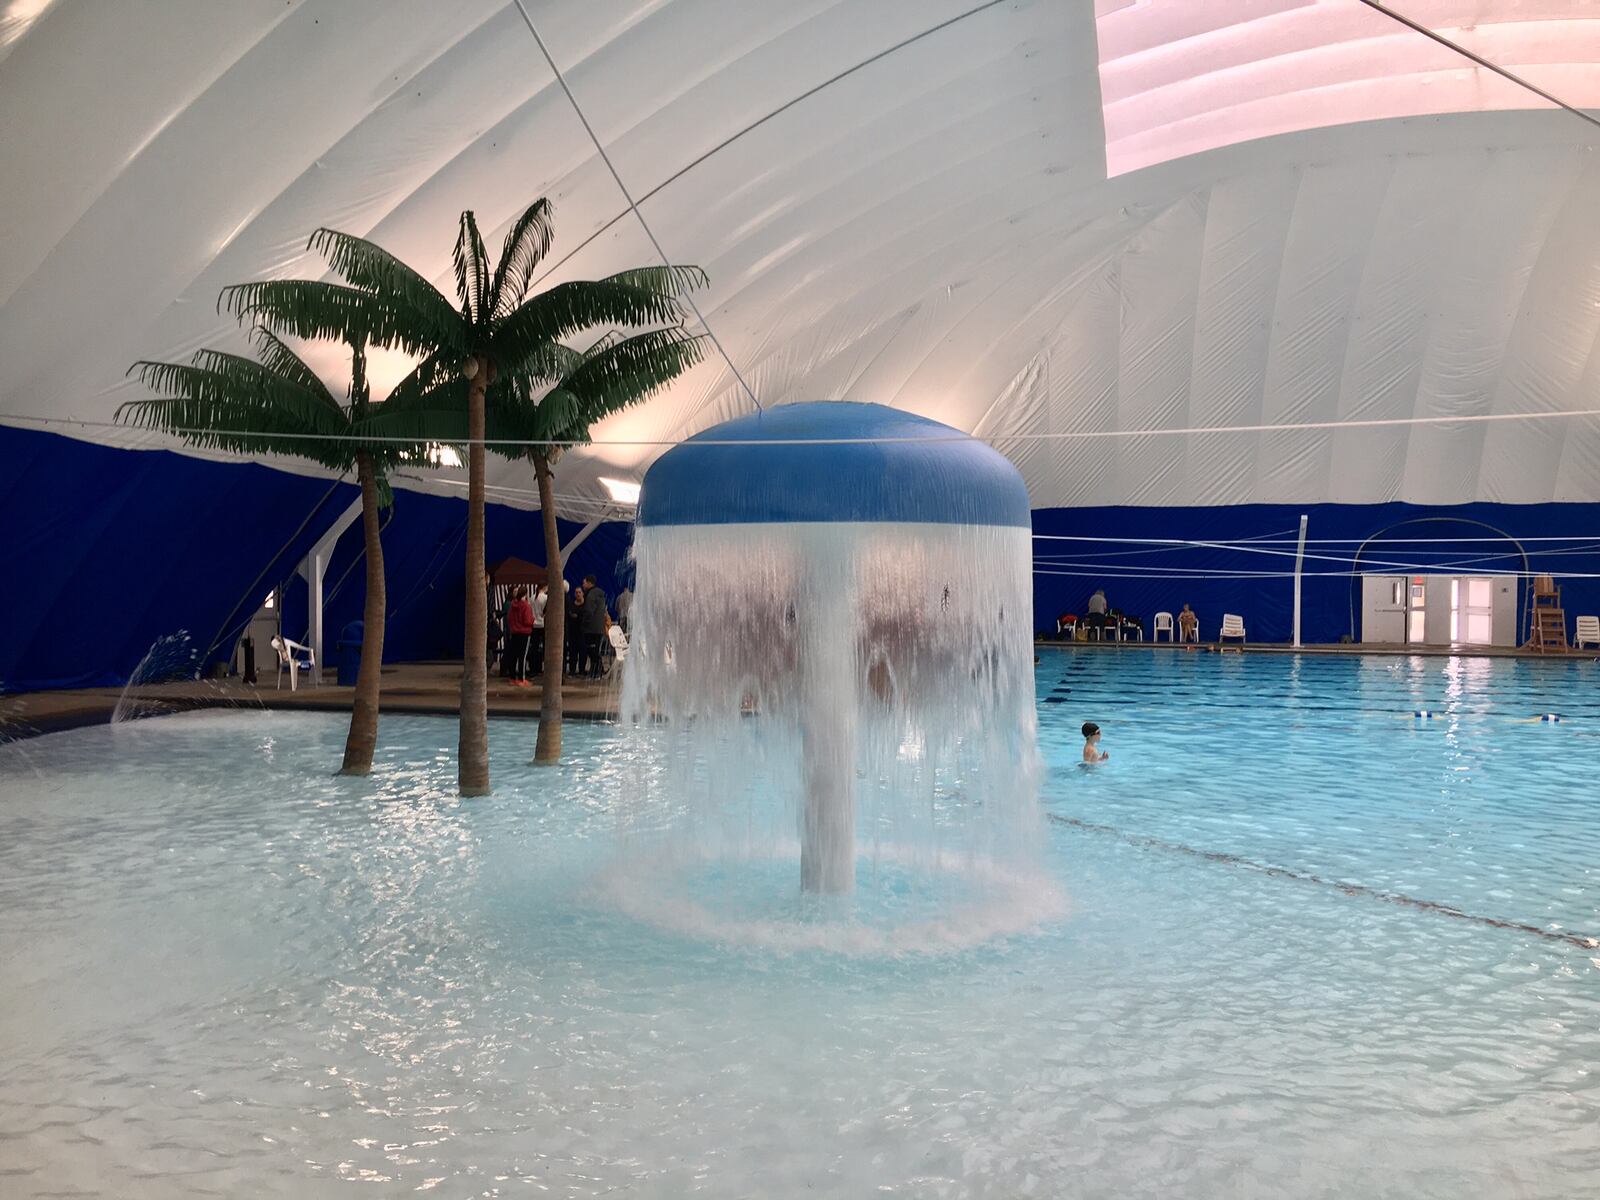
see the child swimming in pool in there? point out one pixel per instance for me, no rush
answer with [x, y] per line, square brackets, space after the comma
[1091, 744]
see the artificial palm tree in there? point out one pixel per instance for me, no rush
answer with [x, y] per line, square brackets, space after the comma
[495, 331]
[611, 375]
[279, 405]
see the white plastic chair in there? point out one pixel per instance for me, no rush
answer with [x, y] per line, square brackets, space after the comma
[1163, 621]
[1232, 626]
[296, 658]
[619, 641]
[1588, 632]
[1192, 634]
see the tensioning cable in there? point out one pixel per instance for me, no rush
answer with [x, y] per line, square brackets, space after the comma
[628, 196]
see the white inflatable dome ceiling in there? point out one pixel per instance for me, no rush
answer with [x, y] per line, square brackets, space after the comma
[1028, 218]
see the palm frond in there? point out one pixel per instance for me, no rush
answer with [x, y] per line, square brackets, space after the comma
[570, 308]
[541, 368]
[407, 432]
[226, 402]
[371, 268]
[601, 344]
[621, 375]
[513, 401]
[277, 357]
[314, 309]
[527, 242]
[557, 417]
[435, 374]
[511, 414]
[510, 423]
[676, 282]
[428, 405]
[472, 269]
[252, 383]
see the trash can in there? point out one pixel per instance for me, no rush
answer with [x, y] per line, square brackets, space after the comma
[347, 653]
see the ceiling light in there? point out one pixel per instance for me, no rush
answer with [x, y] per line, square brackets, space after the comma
[621, 490]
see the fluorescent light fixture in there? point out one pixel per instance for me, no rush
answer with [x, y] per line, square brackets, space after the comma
[621, 490]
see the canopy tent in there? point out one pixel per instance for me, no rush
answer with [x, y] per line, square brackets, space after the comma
[1161, 254]
[509, 572]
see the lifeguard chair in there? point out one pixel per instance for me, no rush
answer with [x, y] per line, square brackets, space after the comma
[1549, 618]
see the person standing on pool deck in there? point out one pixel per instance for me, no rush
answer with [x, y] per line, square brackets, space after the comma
[1091, 744]
[536, 644]
[594, 626]
[1095, 612]
[571, 638]
[519, 629]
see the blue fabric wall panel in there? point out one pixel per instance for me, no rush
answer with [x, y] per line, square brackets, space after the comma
[107, 550]
[1066, 572]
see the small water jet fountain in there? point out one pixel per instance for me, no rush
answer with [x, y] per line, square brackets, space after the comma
[856, 581]
[170, 658]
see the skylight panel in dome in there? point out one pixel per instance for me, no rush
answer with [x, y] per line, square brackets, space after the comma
[1179, 77]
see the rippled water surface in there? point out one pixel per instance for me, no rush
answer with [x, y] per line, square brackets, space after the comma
[1312, 946]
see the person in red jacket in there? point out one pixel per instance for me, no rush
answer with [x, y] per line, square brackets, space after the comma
[520, 627]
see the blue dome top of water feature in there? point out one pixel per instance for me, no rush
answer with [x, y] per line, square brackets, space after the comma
[833, 460]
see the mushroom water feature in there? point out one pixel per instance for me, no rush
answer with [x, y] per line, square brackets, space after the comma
[855, 581]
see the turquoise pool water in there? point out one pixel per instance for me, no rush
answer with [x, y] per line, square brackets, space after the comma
[227, 972]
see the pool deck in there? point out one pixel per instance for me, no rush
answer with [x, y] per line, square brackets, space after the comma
[435, 687]
[1367, 649]
[423, 687]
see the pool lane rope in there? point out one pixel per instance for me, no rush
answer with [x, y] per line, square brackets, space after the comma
[1583, 941]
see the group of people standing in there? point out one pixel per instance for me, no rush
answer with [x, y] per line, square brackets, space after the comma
[1099, 615]
[587, 624]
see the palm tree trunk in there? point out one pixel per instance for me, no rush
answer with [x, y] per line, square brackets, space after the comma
[363, 738]
[547, 751]
[473, 751]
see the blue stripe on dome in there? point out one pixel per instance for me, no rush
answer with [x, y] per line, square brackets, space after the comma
[925, 473]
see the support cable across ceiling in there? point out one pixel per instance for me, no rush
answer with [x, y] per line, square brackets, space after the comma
[995, 439]
[775, 112]
[628, 196]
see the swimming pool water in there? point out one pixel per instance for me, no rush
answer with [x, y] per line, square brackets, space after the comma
[1321, 765]
[228, 972]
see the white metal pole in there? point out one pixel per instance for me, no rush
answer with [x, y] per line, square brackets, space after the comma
[1299, 557]
[606, 514]
[318, 562]
[314, 568]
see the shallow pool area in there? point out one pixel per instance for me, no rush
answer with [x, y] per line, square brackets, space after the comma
[1290, 940]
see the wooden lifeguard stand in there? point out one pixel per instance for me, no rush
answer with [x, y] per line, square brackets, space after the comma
[1548, 617]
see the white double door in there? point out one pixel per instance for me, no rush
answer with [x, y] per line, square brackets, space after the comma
[1416, 609]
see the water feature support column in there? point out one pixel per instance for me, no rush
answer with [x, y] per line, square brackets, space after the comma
[828, 740]
[778, 553]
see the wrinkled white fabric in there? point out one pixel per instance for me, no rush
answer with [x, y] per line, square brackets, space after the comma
[1319, 242]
